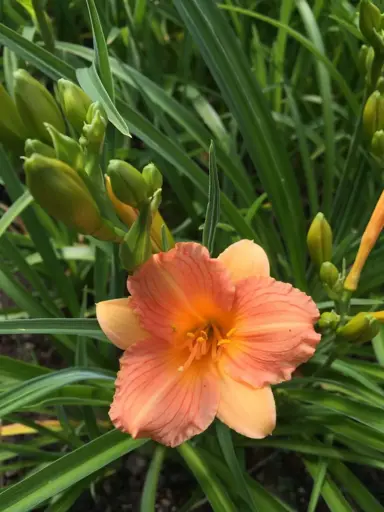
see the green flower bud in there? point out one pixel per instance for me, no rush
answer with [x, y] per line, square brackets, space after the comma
[328, 321]
[369, 64]
[12, 130]
[329, 274]
[361, 328]
[36, 146]
[94, 129]
[153, 177]
[370, 22]
[128, 183]
[74, 102]
[136, 247]
[377, 144]
[373, 115]
[362, 59]
[319, 240]
[59, 189]
[36, 106]
[67, 150]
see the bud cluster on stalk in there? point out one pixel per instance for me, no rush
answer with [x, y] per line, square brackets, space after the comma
[359, 328]
[63, 143]
[370, 64]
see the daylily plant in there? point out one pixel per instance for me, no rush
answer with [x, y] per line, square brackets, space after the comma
[205, 337]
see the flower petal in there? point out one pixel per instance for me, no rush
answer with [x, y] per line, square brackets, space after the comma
[245, 259]
[273, 332]
[249, 411]
[179, 290]
[119, 322]
[154, 399]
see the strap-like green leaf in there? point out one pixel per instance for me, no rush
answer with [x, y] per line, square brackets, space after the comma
[212, 215]
[33, 390]
[211, 485]
[61, 474]
[241, 92]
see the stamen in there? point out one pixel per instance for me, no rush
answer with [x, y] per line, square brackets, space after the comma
[191, 357]
[201, 340]
[231, 332]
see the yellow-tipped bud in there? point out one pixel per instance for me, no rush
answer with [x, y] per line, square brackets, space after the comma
[59, 189]
[36, 106]
[373, 115]
[328, 321]
[67, 150]
[128, 183]
[136, 246]
[153, 177]
[368, 240]
[12, 130]
[74, 102]
[319, 240]
[361, 328]
[370, 22]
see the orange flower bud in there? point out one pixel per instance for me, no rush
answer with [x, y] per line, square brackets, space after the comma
[368, 240]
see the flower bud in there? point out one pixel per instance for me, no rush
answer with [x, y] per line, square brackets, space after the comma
[12, 130]
[319, 240]
[128, 215]
[136, 246]
[67, 150]
[377, 144]
[373, 115]
[74, 102]
[361, 328]
[36, 146]
[153, 177]
[59, 189]
[370, 21]
[368, 240]
[328, 321]
[94, 128]
[36, 106]
[128, 183]
[329, 274]
[362, 59]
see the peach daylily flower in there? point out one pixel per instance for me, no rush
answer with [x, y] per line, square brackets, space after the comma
[205, 337]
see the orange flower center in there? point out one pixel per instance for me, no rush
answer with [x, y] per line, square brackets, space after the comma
[203, 341]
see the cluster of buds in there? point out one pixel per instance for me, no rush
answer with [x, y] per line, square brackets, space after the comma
[319, 243]
[371, 58]
[63, 144]
[340, 286]
[371, 62]
[373, 121]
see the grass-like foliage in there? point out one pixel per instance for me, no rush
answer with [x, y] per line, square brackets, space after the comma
[253, 111]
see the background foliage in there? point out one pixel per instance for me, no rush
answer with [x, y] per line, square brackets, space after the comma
[276, 86]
